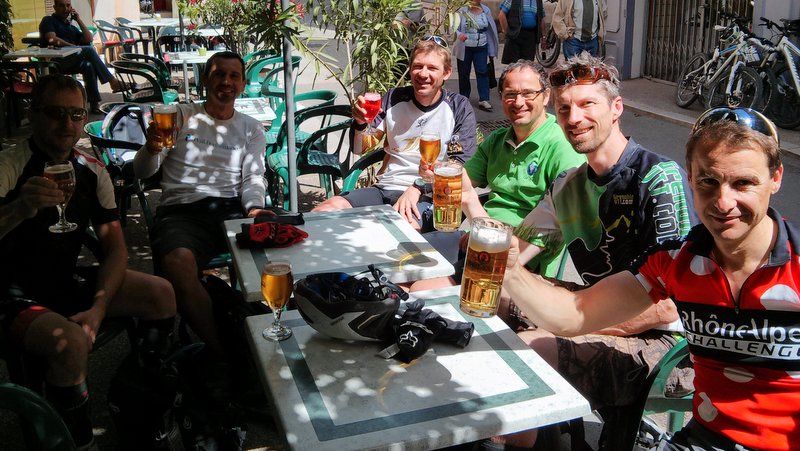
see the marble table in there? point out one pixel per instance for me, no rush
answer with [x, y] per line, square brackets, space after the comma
[347, 241]
[186, 58]
[43, 53]
[330, 394]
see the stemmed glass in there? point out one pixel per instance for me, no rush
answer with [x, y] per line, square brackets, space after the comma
[63, 174]
[276, 287]
[372, 104]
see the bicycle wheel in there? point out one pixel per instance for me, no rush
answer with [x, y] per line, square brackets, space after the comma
[548, 57]
[769, 93]
[745, 91]
[786, 112]
[690, 80]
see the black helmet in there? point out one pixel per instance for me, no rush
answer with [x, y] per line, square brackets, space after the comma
[349, 307]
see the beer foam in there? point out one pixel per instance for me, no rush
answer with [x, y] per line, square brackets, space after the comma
[489, 240]
[372, 96]
[276, 269]
[447, 171]
[165, 109]
[58, 168]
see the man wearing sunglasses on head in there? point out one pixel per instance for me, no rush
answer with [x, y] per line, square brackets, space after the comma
[405, 113]
[607, 211]
[734, 279]
[45, 311]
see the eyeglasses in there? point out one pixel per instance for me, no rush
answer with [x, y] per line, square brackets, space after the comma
[751, 119]
[58, 113]
[530, 94]
[579, 75]
[438, 40]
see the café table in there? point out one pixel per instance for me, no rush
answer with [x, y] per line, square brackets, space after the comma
[186, 58]
[154, 24]
[42, 54]
[256, 107]
[330, 394]
[346, 241]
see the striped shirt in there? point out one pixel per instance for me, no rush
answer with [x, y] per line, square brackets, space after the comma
[586, 14]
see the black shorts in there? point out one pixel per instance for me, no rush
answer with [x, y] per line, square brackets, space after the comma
[26, 305]
[196, 226]
[373, 195]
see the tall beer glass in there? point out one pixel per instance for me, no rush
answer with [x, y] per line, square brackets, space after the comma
[485, 266]
[276, 287]
[429, 147]
[447, 196]
[166, 120]
[63, 174]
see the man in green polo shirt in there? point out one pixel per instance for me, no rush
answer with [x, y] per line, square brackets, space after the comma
[516, 163]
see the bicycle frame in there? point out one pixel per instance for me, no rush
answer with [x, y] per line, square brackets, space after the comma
[789, 52]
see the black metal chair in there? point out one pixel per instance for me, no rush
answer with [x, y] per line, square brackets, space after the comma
[142, 37]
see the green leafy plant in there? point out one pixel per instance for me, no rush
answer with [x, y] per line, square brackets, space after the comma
[6, 38]
[272, 24]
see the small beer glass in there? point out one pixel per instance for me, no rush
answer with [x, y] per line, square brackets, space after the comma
[447, 196]
[166, 120]
[429, 147]
[485, 267]
[276, 287]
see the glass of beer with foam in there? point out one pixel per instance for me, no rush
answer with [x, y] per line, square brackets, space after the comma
[429, 147]
[276, 287]
[485, 266]
[63, 174]
[166, 119]
[447, 196]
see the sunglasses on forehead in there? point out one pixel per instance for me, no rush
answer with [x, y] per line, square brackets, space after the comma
[751, 119]
[578, 75]
[58, 113]
[438, 40]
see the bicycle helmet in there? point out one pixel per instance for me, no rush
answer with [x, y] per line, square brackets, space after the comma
[349, 307]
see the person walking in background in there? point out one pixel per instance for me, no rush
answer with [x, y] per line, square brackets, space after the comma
[519, 23]
[580, 24]
[476, 42]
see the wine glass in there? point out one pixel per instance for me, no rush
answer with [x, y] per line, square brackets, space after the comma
[276, 287]
[429, 147]
[63, 174]
[372, 104]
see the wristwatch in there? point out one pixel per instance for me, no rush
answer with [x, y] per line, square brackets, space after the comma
[420, 185]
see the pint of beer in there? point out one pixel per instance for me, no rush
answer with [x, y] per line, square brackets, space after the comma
[447, 196]
[485, 266]
[166, 120]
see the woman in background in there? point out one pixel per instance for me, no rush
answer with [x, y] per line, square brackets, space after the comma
[476, 42]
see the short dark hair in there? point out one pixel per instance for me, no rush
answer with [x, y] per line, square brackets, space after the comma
[519, 65]
[56, 82]
[227, 54]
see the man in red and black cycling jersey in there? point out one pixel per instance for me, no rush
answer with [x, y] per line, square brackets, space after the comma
[45, 311]
[735, 280]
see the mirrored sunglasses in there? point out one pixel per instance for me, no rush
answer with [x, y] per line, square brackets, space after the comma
[751, 119]
[578, 75]
[58, 113]
[436, 39]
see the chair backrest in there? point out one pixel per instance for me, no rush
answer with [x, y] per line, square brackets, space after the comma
[331, 131]
[108, 32]
[168, 40]
[255, 72]
[160, 67]
[272, 84]
[141, 81]
[322, 97]
[47, 425]
[256, 55]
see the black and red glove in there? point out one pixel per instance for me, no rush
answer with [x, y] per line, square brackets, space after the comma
[269, 234]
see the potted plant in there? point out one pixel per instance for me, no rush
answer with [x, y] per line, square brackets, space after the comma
[6, 37]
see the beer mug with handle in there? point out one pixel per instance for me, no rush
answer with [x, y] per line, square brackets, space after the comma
[485, 266]
[447, 196]
[166, 119]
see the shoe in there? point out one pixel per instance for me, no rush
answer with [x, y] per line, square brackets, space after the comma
[485, 105]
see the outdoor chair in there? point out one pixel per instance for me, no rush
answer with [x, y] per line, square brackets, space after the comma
[168, 40]
[164, 75]
[115, 141]
[141, 81]
[42, 426]
[110, 37]
[16, 82]
[326, 151]
[142, 37]
[257, 55]
[272, 85]
[303, 101]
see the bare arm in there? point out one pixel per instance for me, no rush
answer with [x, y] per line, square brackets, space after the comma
[148, 158]
[501, 17]
[660, 314]
[470, 202]
[109, 277]
[611, 301]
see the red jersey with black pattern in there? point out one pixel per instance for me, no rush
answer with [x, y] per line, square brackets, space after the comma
[746, 351]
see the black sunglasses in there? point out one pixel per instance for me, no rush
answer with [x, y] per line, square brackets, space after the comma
[58, 113]
[751, 119]
[579, 75]
[438, 40]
